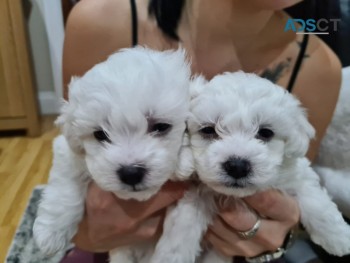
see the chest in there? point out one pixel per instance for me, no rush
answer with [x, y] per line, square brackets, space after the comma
[275, 66]
[275, 63]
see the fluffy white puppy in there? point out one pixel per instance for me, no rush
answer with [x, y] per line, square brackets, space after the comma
[248, 135]
[123, 128]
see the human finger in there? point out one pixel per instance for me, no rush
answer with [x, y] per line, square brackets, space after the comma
[168, 194]
[238, 215]
[235, 247]
[103, 203]
[275, 205]
[239, 218]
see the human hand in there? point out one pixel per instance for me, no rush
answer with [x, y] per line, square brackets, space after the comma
[110, 222]
[279, 213]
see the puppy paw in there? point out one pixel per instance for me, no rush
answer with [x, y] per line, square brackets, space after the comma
[337, 244]
[49, 241]
[337, 248]
[173, 257]
[124, 255]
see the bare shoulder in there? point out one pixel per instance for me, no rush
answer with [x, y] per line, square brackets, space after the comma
[94, 30]
[318, 87]
[322, 64]
[320, 76]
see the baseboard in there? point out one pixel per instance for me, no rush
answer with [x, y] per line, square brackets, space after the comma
[49, 103]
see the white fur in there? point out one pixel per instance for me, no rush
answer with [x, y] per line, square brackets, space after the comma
[123, 96]
[237, 104]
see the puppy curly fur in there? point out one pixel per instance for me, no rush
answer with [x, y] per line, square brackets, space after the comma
[136, 88]
[228, 116]
[138, 101]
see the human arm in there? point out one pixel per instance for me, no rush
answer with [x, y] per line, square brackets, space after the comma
[95, 29]
[318, 87]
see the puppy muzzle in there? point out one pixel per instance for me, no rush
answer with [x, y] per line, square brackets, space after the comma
[131, 175]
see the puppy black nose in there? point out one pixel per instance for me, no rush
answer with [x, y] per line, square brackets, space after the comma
[237, 168]
[131, 174]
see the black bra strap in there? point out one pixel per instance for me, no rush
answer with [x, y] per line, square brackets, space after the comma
[298, 63]
[133, 22]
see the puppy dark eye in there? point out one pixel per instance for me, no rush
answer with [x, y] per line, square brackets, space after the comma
[160, 128]
[208, 132]
[265, 134]
[101, 136]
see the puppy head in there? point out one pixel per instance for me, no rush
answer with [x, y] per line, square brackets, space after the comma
[126, 117]
[242, 130]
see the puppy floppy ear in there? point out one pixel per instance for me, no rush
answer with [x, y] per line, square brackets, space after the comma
[298, 143]
[67, 123]
[197, 85]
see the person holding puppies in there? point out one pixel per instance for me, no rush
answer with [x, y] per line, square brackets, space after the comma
[219, 36]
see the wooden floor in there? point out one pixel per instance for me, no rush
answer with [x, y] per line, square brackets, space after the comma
[24, 163]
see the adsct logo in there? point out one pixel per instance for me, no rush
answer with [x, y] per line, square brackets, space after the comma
[311, 26]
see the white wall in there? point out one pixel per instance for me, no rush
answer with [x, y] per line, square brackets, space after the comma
[40, 49]
[41, 59]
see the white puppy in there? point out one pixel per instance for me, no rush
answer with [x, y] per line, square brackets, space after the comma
[248, 135]
[123, 128]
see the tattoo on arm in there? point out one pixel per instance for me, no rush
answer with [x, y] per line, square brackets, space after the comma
[275, 73]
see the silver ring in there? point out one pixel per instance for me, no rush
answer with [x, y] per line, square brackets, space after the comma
[267, 257]
[251, 232]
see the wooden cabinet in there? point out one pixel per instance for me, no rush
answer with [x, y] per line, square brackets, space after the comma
[18, 102]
